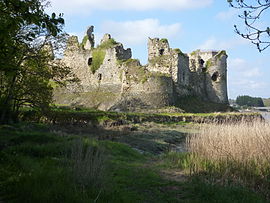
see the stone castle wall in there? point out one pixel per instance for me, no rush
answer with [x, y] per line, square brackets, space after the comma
[122, 83]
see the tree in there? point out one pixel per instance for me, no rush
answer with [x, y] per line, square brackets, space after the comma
[249, 101]
[253, 12]
[28, 37]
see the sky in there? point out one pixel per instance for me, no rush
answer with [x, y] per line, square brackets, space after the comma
[187, 24]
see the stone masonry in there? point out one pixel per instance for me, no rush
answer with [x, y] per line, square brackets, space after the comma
[121, 83]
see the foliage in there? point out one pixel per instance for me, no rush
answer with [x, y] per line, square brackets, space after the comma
[253, 14]
[266, 102]
[28, 38]
[249, 101]
[98, 56]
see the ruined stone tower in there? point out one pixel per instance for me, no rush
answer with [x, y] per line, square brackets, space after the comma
[112, 80]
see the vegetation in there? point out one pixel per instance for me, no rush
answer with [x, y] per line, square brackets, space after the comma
[208, 64]
[98, 56]
[164, 40]
[107, 44]
[161, 60]
[39, 166]
[254, 13]
[28, 38]
[85, 38]
[129, 62]
[221, 53]
[249, 101]
[266, 102]
[135, 71]
[194, 52]
[235, 154]
[178, 51]
[194, 104]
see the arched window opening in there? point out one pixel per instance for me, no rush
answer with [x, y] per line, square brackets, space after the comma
[201, 62]
[99, 76]
[215, 76]
[161, 52]
[90, 61]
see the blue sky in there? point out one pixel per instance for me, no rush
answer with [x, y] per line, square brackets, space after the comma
[187, 24]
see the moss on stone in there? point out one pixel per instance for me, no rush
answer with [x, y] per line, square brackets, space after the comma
[178, 51]
[85, 38]
[98, 56]
[208, 63]
[194, 52]
[99, 53]
[161, 60]
[137, 74]
[108, 44]
[164, 40]
[221, 53]
[129, 62]
[159, 74]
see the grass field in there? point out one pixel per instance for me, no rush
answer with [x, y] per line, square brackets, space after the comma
[43, 163]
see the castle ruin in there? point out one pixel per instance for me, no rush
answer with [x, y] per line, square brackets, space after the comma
[111, 80]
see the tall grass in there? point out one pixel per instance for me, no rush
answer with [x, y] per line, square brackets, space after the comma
[87, 165]
[233, 153]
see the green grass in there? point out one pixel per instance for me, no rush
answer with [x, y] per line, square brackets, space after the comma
[98, 56]
[194, 104]
[107, 44]
[38, 166]
[202, 186]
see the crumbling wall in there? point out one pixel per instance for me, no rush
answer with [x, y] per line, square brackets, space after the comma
[118, 82]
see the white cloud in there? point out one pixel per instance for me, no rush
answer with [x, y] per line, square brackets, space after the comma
[244, 78]
[83, 6]
[243, 68]
[227, 15]
[216, 44]
[137, 32]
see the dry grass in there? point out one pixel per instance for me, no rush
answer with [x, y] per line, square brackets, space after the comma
[238, 153]
[88, 165]
[242, 142]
